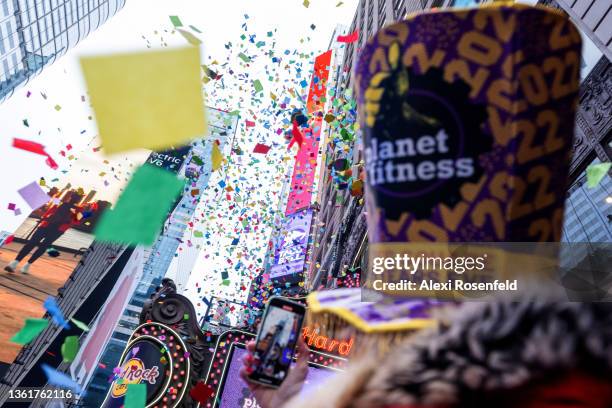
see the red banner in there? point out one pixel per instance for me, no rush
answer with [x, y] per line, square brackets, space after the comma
[305, 165]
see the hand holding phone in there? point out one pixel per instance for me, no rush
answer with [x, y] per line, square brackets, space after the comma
[278, 335]
[268, 397]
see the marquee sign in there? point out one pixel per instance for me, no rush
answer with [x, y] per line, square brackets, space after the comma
[223, 377]
[157, 357]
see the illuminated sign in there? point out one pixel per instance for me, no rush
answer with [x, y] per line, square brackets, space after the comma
[155, 356]
[230, 390]
[171, 159]
[324, 343]
[134, 372]
[292, 245]
[305, 165]
[142, 364]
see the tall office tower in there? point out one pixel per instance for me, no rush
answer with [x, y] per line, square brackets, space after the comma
[34, 33]
[197, 169]
[222, 128]
[588, 211]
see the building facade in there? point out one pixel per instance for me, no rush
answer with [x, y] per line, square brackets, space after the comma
[81, 297]
[221, 127]
[340, 246]
[34, 33]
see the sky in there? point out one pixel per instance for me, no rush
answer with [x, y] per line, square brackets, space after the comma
[57, 110]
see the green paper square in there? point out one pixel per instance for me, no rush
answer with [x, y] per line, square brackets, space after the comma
[141, 209]
[596, 172]
[136, 396]
[69, 349]
[176, 21]
[30, 330]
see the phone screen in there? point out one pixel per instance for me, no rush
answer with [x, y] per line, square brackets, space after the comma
[276, 341]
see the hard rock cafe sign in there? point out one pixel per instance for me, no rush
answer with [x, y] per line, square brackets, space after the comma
[156, 357]
[134, 372]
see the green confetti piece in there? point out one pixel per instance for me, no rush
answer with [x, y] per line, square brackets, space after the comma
[194, 28]
[197, 160]
[58, 108]
[80, 324]
[257, 85]
[142, 208]
[260, 44]
[29, 331]
[176, 21]
[243, 57]
[198, 234]
[70, 347]
[186, 316]
[346, 136]
[136, 396]
[596, 172]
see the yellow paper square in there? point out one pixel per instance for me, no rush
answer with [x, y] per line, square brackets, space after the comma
[146, 100]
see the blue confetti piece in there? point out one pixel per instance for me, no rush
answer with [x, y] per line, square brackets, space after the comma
[55, 312]
[61, 380]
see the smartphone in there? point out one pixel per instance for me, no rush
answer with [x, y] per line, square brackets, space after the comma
[278, 334]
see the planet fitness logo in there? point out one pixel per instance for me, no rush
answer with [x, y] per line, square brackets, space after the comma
[423, 140]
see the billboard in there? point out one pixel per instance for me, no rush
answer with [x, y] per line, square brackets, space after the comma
[171, 159]
[40, 254]
[235, 392]
[291, 246]
[304, 169]
[85, 362]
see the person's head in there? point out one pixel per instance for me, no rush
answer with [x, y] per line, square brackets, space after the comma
[451, 129]
[72, 198]
[533, 351]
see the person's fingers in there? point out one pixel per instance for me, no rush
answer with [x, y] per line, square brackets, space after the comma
[297, 374]
[244, 374]
[250, 346]
[302, 352]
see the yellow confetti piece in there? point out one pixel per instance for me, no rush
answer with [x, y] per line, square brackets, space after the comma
[146, 100]
[216, 157]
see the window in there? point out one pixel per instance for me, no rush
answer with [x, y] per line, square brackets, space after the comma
[462, 3]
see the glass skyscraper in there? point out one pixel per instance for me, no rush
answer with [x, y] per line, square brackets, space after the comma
[197, 170]
[33, 33]
[588, 212]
